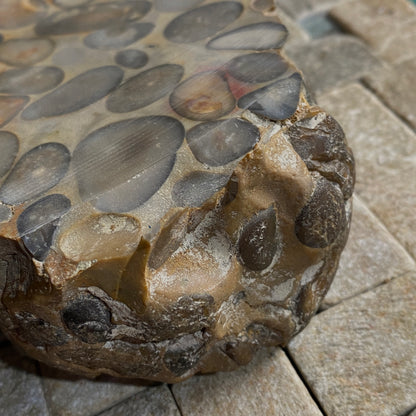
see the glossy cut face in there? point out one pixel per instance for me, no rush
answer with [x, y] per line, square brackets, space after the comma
[86, 83]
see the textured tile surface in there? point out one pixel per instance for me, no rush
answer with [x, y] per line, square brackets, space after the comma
[319, 24]
[299, 7]
[372, 256]
[389, 27]
[385, 150]
[332, 60]
[396, 88]
[20, 388]
[358, 357]
[73, 396]
[269, 386]
[154, 401]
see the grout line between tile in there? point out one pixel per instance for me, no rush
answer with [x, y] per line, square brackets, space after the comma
[381, 224]
[304, 381]
[391, 234]
[114, 404]
[408, 411]
[174, 399]
[369, 289]
[368, 87]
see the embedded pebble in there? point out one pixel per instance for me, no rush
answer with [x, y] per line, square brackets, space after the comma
[276, 101]
[89, 18]
[25, 52]
[169, 6]
[15, 13]
[9, 146]
[183, 353]
[30, 80]
[259, 240]
[71, 3]
[195, 188]
[145, 88]
[88, 318]
[258, 36]
[10, 106]
[37, 223]
[205, 21]
[323, 148]
[121, 165]
[131, 58]
[75, 94]
[257, 67]
[37, 171]
[5, 213]
[100, 237]
[205, 96]
[323, 218]
[118, 36]
[217, 143]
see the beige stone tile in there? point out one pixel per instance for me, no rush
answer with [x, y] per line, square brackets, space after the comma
[269, 386]
[380, 141]
[389, 27]
[332, 60]
[396, 88]
[372, 256]
[359, 357]
[385, 152]
[68, 395]
[297, 8]
[154, 401]
[20, 387]
[318, 25]
[393, 199]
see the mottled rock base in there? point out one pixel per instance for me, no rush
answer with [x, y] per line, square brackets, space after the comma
[182, 238]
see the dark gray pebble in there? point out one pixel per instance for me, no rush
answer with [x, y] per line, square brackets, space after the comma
[195, 188]
[202, 22]
[217, 143]
[276, 101]
[77, 93]
[37, 171]
[37, 223]
[30, 80]
[145, 88]
[131, 58]
[120, 166]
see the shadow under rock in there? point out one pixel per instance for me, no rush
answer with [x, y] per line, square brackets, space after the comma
[13, 357]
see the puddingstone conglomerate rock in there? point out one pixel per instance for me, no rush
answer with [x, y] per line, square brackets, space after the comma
[170, 199]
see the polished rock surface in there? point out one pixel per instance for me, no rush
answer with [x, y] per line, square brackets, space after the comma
[171, 199]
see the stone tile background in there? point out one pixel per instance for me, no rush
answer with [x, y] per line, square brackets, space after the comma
[358, 355]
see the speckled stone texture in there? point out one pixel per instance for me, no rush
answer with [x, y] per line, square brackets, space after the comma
[171, 200]
[369, 359]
